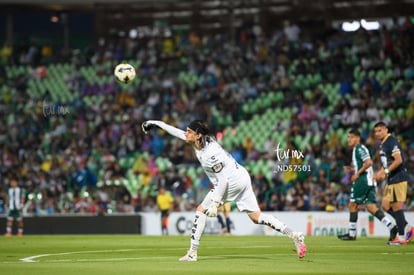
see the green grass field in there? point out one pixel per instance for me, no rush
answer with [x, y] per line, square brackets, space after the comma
[135, 254]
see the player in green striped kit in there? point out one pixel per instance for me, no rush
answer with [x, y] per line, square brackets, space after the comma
[15, 204]
[363, 188]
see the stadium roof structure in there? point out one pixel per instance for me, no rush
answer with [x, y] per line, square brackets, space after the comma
[293, 9]
[214, 16]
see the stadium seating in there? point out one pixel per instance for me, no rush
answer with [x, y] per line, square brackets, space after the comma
[260, 115]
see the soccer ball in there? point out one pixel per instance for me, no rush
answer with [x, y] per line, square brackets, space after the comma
[124, 73]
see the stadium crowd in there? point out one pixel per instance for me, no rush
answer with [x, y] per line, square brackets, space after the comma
[67, 159]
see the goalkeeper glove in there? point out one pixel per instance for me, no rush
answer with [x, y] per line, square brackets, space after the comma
[147, 126]
[211, 211]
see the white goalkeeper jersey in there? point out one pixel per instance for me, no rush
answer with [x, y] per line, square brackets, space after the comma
[227, 176]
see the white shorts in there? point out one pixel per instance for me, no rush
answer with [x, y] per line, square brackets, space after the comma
[240, 192]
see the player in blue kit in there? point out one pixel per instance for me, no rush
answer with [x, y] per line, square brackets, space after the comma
[393, 170]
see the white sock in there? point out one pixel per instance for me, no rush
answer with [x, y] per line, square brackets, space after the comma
[387, 222]
[352, 229]
[274, 223]
[197, 229]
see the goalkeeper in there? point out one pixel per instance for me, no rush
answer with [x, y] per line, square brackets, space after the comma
[231, 182]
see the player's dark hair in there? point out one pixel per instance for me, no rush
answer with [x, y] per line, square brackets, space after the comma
[380, 124]
[200, 127]
[355, 132]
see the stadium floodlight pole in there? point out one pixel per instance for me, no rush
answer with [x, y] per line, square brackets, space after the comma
[64, 19]
[231, 22]
[9, 30]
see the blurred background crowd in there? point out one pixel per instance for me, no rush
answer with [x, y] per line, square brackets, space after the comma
[76, 144]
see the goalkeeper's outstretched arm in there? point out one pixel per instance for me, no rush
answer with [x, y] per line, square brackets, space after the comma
[147, 125]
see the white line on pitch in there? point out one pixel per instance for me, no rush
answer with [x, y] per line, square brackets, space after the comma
[33, 259]
[149, 258]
